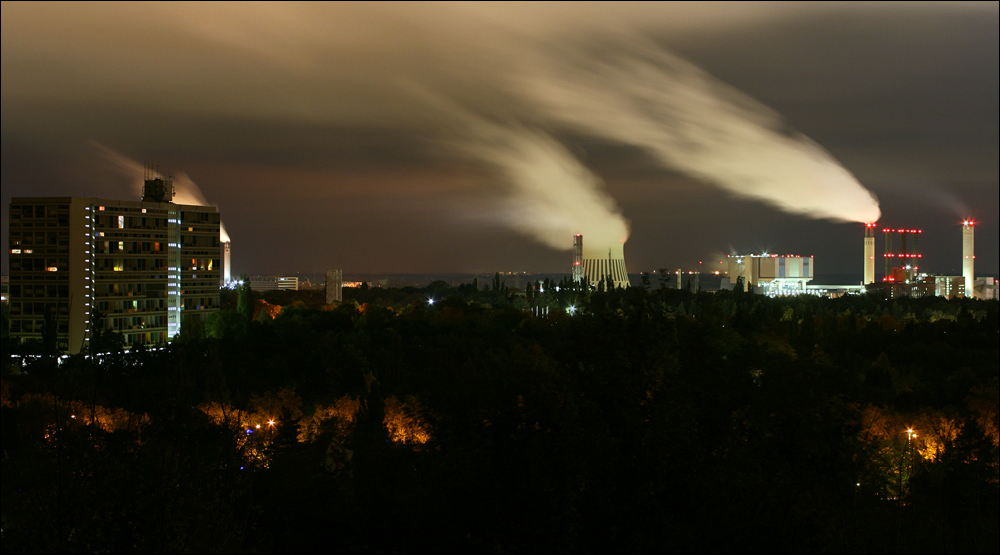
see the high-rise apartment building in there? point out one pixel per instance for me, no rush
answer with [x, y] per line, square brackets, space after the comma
[139, 268]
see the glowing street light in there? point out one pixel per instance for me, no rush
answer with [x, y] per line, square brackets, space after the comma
[430, 302]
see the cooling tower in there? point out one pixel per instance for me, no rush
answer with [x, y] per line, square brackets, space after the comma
[969, 258]
[602, 261]
[869, 254]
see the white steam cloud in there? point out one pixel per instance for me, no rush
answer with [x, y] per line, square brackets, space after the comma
[633, 92]
[554, 196]
[551, 195]
[186, 191]
[641, 95]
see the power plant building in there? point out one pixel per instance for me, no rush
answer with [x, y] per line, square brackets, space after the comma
[902, 267]
[599, 263]
[771, 274]
[142, 267]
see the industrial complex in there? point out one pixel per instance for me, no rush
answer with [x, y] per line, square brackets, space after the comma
[791, 274]
[144, 268]
[902, 259]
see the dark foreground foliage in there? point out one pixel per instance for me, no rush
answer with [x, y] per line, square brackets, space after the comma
[646, 421]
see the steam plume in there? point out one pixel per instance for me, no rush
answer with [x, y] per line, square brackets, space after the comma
[552, 195]
[639, 94]
[186, 191]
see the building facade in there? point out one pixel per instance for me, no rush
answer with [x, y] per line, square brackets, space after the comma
[771, 274]
[138, 268]
[274, 283]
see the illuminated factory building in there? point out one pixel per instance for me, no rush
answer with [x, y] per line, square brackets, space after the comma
[145, 266]
[902, 276]
[771, 274]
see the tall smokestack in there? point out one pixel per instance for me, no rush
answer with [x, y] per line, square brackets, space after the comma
[597, 265]
[969, 258]
[578, 258]
[869, 254]
[227, 262]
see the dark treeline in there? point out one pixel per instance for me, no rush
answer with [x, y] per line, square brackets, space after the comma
[639, 420]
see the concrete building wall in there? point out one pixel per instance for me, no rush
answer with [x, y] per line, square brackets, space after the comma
[775, 275]
[142, 265]
[334, 286]
[601, 261]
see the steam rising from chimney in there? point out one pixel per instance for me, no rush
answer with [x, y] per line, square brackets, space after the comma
[186, 191]
[631, 91]
[552, 195]
[637, 93]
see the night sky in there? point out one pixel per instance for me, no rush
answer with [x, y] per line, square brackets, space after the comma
[413, 138]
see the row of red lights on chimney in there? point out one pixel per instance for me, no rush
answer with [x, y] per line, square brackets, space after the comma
[873, 224]
[902, 231]
[903, 255]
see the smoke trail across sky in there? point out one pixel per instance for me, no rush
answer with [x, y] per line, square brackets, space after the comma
[186, 191]
[553, 196]
[631, 91]
[550, 195]
[637, 93]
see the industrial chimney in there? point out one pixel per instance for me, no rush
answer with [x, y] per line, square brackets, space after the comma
[869, 254]
[578, 258]
[969, 258]
[227, 262]
[597, 265]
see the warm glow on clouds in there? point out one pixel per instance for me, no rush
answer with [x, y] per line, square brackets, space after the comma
[452, 119]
